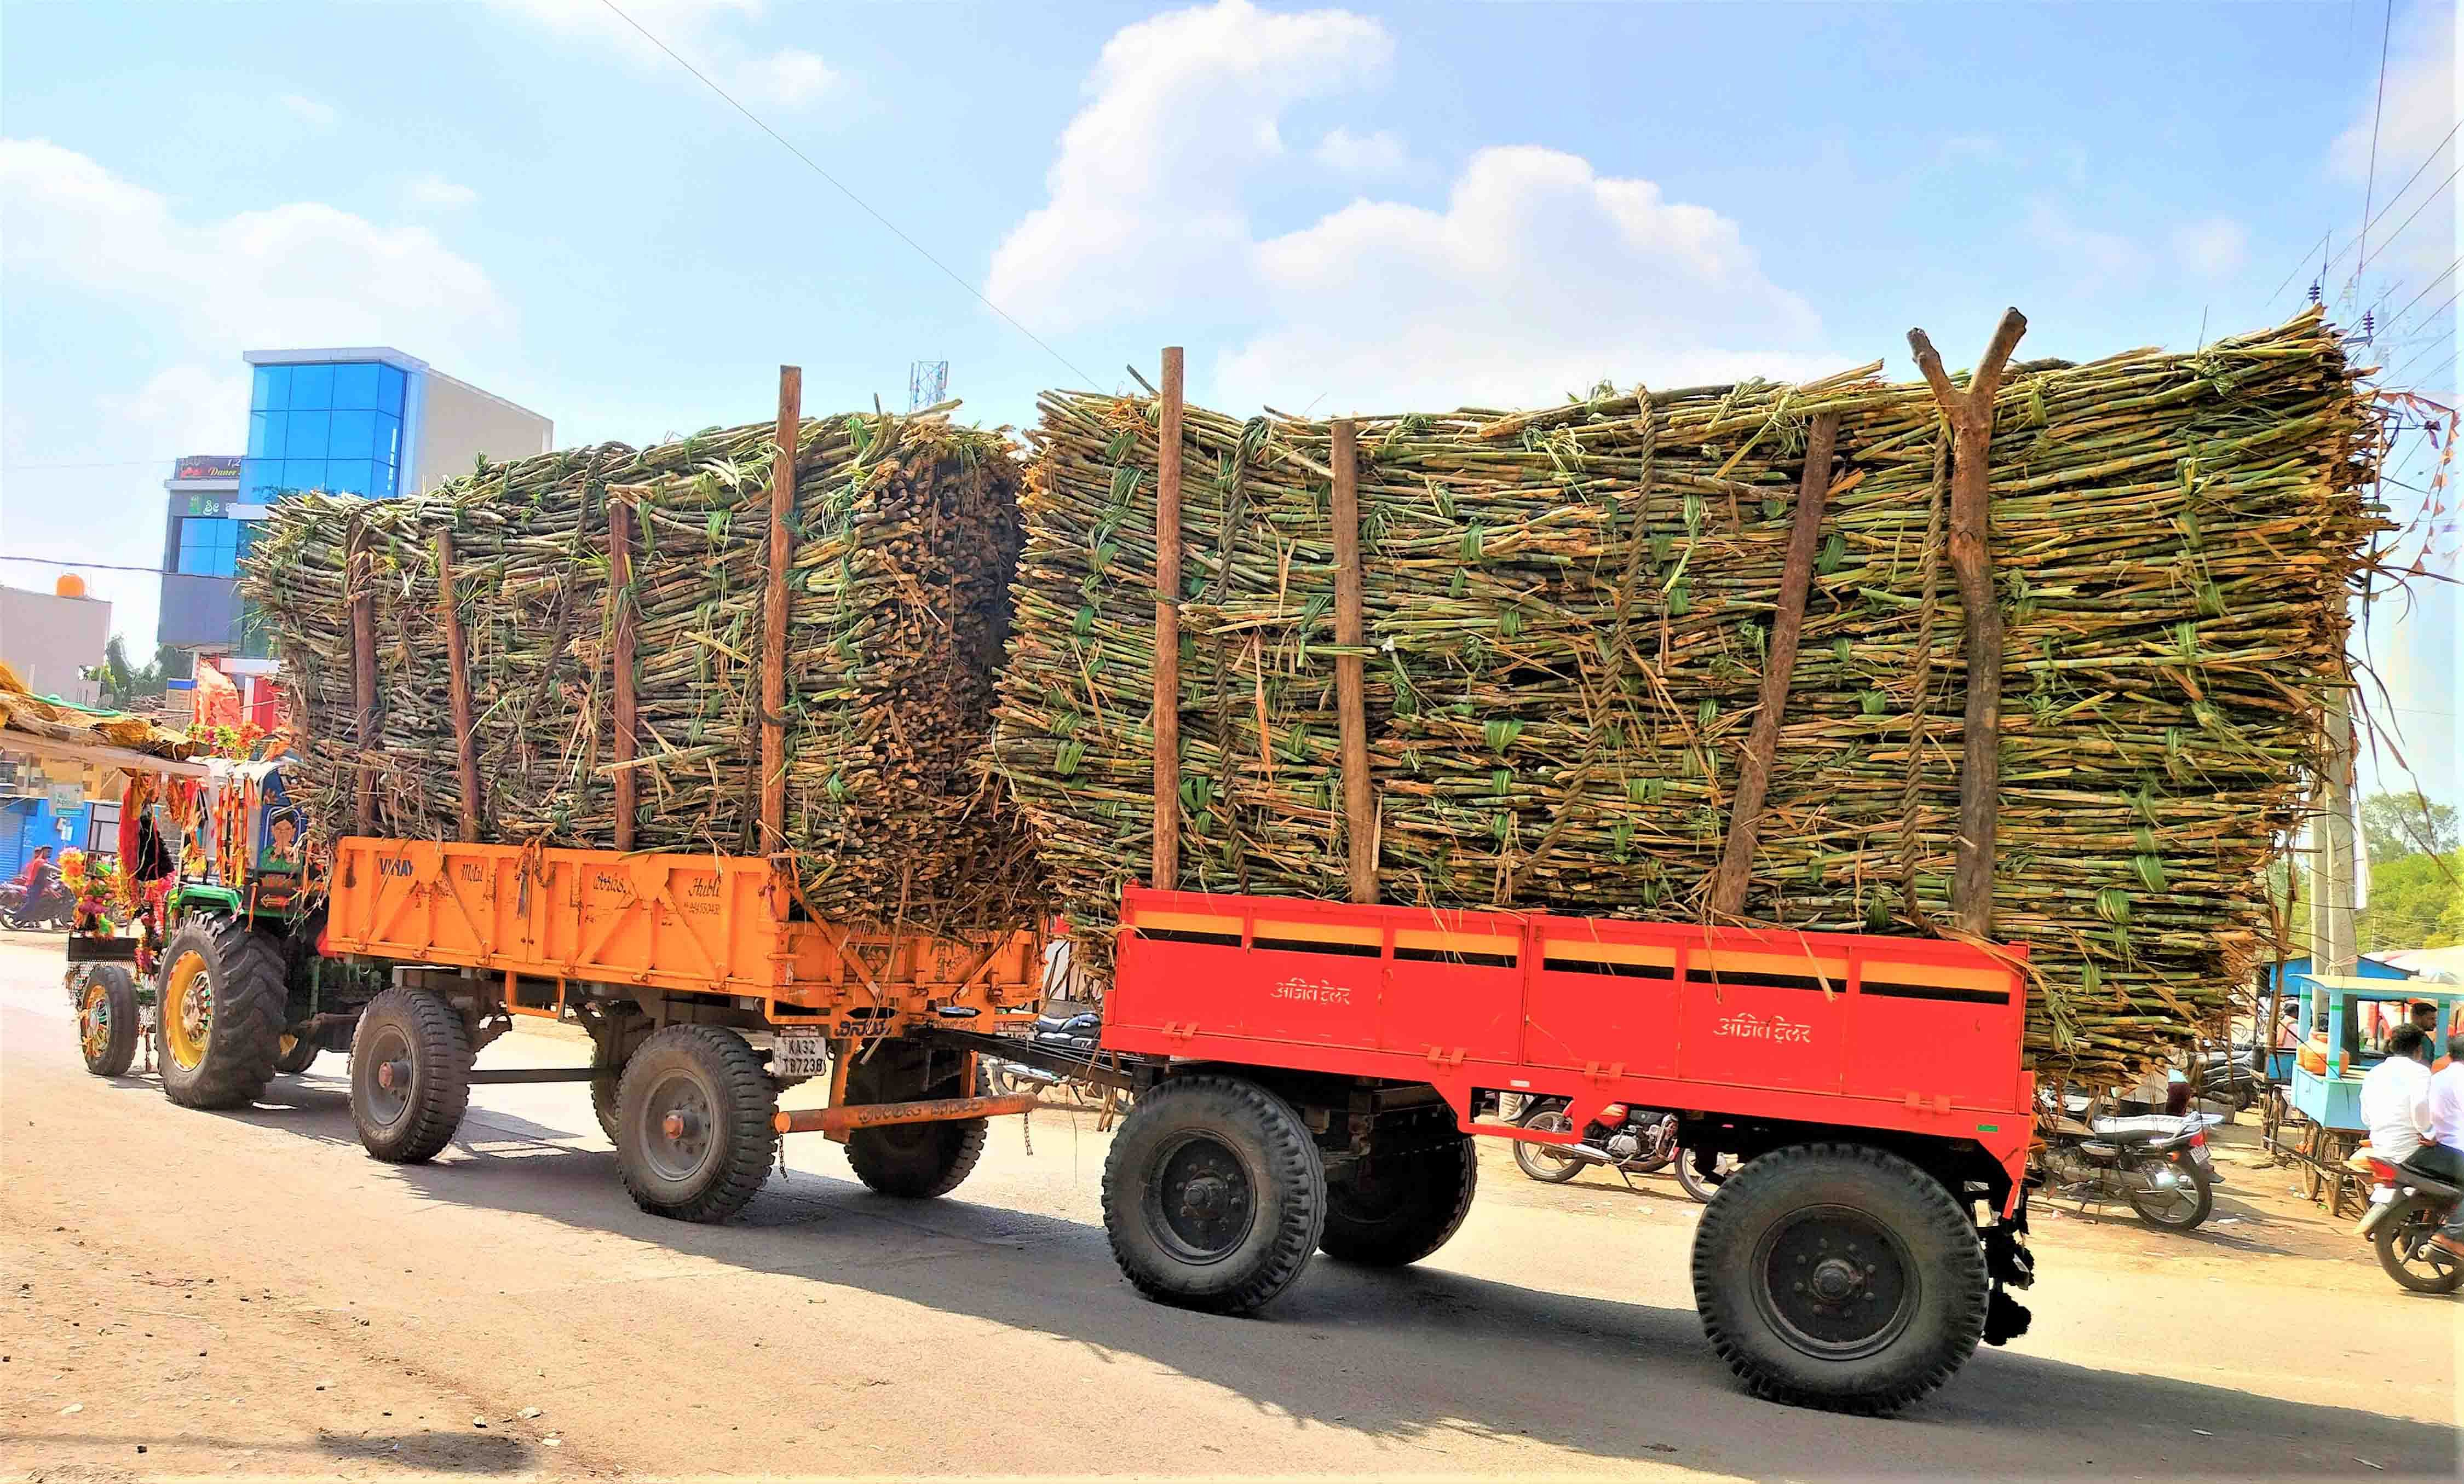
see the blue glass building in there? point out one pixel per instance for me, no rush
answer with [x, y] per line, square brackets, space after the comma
[367, 421]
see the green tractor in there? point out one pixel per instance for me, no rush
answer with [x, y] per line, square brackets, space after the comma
[222, 980]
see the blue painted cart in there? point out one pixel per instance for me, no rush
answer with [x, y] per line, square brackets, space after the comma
[2329, 1102]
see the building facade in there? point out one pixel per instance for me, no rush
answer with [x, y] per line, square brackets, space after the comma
[50, 639]
[363, 420]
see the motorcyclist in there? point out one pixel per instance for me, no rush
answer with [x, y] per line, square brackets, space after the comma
[2443, 1157]
[2395, 1096]
[40, 878]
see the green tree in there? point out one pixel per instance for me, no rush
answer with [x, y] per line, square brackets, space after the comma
[2411, 899]
[2396, 825]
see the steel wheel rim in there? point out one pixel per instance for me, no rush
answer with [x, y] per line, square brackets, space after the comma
[94, 1025]
[188, 1010]
[1835, 1282]
[1555, 1158]
[678, 1132]
[387, 1046]
[1203, 1201]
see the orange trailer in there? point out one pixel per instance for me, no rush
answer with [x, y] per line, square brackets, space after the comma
[707, 986]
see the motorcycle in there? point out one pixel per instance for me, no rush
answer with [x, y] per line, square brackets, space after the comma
[49, 908]
[2159, 1164]
[1633, 1141]
[2406, 1210]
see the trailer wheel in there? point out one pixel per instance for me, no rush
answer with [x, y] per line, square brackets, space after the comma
[1407, 1207]
[411, 1076]
[1841, 1276]
[603, 1103]
[1214, 1195]
[912, 1161]
[219, 1013]
[107, 1019]
[694, 1136]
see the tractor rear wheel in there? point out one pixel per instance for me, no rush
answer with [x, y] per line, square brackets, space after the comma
[1214, 1194]
[1400, 1207]
[107, 1019]
[693, 1133]
[219, 1013]
[1838, 1275]
[410, 1075]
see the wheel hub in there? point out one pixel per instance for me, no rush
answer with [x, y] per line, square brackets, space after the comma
[393, 1074]
[1836, 1282]
[1205, 1199]
[678, 1127]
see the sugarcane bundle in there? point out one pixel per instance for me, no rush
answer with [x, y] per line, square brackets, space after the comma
[904, 532]
[1568, 617]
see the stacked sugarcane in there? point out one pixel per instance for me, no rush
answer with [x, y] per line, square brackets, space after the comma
[904, 533]
[1569, 613]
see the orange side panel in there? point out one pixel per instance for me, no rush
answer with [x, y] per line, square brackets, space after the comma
[698, 922]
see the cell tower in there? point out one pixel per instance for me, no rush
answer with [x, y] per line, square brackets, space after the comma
[928, 382]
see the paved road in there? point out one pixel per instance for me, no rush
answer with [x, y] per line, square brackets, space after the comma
[248, 1293]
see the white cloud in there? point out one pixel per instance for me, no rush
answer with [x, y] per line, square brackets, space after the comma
[308, 111]
[2214, 248]
[189, 409]
[1360, 154]
[2420, 104]
[1183, 110]
[710, 35]
[1538, 276]
[305, 274]
[435, 193]
[2103, 254]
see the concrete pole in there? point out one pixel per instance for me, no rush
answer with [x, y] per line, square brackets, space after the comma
[2333, 925]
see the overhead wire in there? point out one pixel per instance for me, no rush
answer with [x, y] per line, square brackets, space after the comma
[2377, 112]
[841, 188]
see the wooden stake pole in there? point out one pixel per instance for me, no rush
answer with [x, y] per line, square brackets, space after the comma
[620, 575]
[1779, 667]
[1971, 562]
[364, 674]
[773, 615]
[457, 660]
[1359, 798]
[1166, 872]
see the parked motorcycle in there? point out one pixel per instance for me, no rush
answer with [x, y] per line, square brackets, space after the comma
[2400, 1226]
[2159, 1164]
[1696, 1183]
[52, 908]
[1637, 1141]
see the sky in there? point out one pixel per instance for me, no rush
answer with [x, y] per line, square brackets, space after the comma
[1336, 209]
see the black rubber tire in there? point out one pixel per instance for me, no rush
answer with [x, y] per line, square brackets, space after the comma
[437, 1046]
[302, 1056]
[725, 1076]
[603, 1102]
[2409, 1209]
[1944, 1274]
[1530, 1158]
[118, 989]
[1286, 1180]
[1386, 1226]
[246, 973]
[913, 1162]
[2207, 1203]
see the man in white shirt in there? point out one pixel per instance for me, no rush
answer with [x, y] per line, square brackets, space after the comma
[2395, 1096]
[2444, 1155]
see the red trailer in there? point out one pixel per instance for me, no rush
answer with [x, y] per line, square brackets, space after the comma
[1311, 1076]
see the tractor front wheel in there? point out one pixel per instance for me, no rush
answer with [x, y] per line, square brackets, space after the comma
[107, 1019]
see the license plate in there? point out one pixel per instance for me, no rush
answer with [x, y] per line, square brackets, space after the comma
[2200, 1154]
[799, 1054]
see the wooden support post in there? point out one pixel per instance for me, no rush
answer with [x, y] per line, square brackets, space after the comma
[1779, 667]
[1359, 798]
[773, 615]
[1166, 866]
[620, 575]
[364, 674]
[457, 660]
[1971, 562]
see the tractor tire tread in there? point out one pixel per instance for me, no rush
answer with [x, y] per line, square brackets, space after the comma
[441, 1043]
[744, 1086]
[1295, 1165]
[249, 978]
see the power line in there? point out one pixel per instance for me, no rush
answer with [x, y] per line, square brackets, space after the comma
[2370, 186]
[2425, 289]
[2302, 262]
[103, 566]
[842, 190]
[169, 458]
